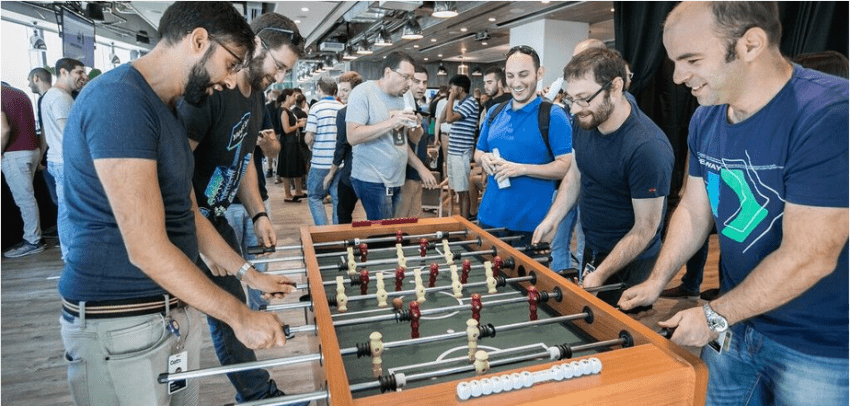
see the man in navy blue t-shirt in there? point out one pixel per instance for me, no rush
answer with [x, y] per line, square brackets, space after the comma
[621, 177]
[134, 229]
[769, 169]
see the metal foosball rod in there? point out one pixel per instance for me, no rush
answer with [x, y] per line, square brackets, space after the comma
[289, 399]
[259, 249]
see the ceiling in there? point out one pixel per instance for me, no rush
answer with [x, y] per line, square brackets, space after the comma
[450, 39]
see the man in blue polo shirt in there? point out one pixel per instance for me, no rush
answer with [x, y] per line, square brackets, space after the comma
[768, 168]
[512, 151]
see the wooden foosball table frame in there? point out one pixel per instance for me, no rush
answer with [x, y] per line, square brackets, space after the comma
[653, 371]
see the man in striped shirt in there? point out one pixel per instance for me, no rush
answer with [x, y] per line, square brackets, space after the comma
[321, 138]
[464, 119]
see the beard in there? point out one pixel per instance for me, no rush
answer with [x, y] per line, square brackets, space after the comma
[597, 117]
[195, 92]
[255, 74]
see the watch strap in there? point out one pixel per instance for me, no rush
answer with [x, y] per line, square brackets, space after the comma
[244, 268]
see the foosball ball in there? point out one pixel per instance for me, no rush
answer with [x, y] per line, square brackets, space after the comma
[439, 311]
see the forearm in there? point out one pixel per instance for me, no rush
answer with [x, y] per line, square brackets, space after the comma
[553, 170]
[415, 162]
[308, 139]
[626, 250]
[213, 246]
[358, 134]
[564, 201]
[686, 234]
[415, 134]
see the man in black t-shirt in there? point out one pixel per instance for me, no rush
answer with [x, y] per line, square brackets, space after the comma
[223, 133]
[622, 171]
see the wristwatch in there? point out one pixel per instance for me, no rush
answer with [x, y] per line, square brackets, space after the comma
[716, 322]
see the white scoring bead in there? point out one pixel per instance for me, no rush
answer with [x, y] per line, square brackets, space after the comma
[586, 367]
[475, 388]
[527, 379]
[577, 369]
[496, 384]
[569, 372]
[507, 383]
[486, 386]
[597, 365]
[463, 391]
[545, 375]
[516, 380]
[557, 373]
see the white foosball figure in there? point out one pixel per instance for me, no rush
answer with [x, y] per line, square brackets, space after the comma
[457, 287]
[402, 261]
[491, 281]
[377, 347]
[482, 365]
[447, 252]
[352, 264]
[472, 334]
[341, 298]
[420, 288]
[382, 292]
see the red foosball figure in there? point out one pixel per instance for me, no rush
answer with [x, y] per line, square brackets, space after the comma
[533, 298]
[415, 314]
[497, 264]
[466, 266]
[399, 277]
[423, 247]
[364, 251]
[399, 237]
[475, 302]
[435, 270]
[364, 281]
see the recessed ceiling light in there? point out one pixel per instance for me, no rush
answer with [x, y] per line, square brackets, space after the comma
[305, 9]
[463, 50]
[491, 19]
[297, 21]
[545, 2]
[612, 9]
[463, 30]
[439, 55]
[484, 43]
[426, 59]
[433, 40]
[416, 46]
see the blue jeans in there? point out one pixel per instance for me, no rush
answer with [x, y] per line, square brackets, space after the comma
[316, 195]
[373, 196]
[19, 168]
[561, 254]
[58, 172]
[756, 370]
[243, 227]
[252, 384]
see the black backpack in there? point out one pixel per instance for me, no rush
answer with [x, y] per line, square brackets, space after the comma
[542, 120]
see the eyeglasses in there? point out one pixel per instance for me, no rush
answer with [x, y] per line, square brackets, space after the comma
[279, 66]
[585, 102]
[240, 62]
[406, 78]
[294, 38]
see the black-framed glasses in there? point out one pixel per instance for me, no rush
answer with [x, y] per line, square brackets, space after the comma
[279, 66]
[240, 62]
[585, 102]
[294, 38]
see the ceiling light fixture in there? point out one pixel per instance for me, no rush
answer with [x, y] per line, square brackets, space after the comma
[445, 9]
[348, 55]
[476, 71]
[411, 30]
[363, 48]
[441, 71]
[383, 39]
[491, 19]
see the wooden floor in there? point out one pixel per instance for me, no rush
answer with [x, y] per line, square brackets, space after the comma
[33, 370]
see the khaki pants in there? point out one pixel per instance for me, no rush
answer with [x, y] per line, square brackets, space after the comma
[411, 199]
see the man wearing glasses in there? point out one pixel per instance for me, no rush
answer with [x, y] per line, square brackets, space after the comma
[223, 132]
[621, 178]
[378, 125]
[131, 293]
[522, 165]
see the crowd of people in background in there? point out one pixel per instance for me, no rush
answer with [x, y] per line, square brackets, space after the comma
[544, 164]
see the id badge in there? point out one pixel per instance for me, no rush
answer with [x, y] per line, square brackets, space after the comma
[722, 342]
[177, 363]
[398, 137]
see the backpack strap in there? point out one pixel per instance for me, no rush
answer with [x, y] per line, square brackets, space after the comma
[543, 117]
[496, 111]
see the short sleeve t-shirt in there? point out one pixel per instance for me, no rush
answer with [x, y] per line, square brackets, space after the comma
[119, 116]
[633, 162]
[18, 110]
[322, 122]
[56, 105]
[378, 160]
[462, 134]
[226, 128]
[794, 150]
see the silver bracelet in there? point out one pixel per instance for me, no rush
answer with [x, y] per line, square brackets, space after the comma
[241, 273]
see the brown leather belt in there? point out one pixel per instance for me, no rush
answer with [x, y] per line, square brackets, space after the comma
[122, 308]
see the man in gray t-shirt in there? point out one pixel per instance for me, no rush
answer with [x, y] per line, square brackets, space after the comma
[377, 125]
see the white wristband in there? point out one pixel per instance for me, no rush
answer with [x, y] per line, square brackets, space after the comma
[241, 273]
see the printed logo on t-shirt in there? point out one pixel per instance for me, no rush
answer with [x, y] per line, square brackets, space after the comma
[239, 131]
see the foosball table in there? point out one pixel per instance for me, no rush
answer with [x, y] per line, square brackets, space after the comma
[438, 311]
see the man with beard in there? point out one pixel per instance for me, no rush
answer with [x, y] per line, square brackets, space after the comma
[411, 191]
[223, 132]
[377, 128]
[620, 179]
[56, 106]
[131, 293]
[494, 88]
[523, 166]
